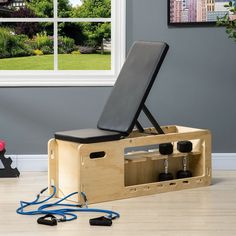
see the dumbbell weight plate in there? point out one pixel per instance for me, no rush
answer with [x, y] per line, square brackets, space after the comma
[165, 177]
[165, 148]
[184, 174]
[184, 146]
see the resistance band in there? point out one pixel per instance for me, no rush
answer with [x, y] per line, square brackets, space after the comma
[65, 211]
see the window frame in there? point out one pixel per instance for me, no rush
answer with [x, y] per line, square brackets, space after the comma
[21, 78]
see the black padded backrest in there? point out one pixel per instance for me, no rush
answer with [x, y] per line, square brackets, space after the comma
[132, 86]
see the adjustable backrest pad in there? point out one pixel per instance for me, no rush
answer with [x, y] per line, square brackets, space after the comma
[132, 86]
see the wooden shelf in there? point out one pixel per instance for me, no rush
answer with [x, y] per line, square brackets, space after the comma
[144, 156]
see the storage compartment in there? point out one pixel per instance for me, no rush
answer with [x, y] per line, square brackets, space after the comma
[143, 167]
[128, 167]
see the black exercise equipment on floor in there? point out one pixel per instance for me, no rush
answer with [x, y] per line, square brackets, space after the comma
[6, 171]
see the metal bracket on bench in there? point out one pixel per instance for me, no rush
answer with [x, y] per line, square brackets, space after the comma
[151, 119]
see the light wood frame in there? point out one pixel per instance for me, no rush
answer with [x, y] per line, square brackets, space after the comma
[120, 175]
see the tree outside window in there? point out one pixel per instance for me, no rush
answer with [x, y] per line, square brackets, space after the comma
[33, 36]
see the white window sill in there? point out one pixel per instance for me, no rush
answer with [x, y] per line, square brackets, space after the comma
[57, 81]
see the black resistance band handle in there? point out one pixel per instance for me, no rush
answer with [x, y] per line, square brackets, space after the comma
[100, 221]
[48, 219]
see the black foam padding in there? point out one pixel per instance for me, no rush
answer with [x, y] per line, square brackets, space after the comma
[132, 86]
[184, 146]
[128, 95]
[165, 148]
[88, 136]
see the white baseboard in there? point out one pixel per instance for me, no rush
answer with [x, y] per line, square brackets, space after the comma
[30, 162]
[224, 161]
[220, 161]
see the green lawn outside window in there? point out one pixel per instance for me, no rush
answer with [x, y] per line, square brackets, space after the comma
[65, 62]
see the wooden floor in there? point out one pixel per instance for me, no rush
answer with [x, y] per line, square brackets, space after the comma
[203, 211]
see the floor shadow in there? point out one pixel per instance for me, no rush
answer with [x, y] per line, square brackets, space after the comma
[217, 180]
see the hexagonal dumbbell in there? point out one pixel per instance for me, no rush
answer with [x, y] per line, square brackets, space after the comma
[184, 147]
[166, 149]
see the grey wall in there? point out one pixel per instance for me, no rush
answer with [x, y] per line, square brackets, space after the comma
[196, 87]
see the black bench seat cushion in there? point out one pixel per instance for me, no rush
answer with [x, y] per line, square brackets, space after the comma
[88, 135]
[132, 86]
[127, 97]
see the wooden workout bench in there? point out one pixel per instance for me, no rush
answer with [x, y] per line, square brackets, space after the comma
[115, 160]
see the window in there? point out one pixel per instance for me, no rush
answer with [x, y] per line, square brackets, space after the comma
[61, 42]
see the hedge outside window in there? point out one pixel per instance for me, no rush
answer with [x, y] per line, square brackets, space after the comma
[74, 36]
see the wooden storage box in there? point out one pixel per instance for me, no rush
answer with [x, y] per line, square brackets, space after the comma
[128, 167]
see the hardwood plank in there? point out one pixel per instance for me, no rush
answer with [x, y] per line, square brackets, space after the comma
[203, 211]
